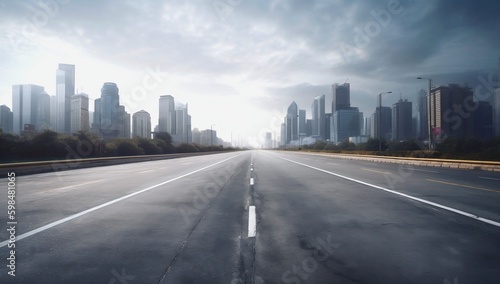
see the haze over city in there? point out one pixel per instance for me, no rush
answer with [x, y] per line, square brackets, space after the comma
[239, 64]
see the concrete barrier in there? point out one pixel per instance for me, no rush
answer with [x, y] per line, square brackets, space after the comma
[444, 163]
[28, 168]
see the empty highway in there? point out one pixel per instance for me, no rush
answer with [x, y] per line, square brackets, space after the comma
[254, 217]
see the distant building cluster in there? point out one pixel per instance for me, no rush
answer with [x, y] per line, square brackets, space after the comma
[33, 110]
[449, 111]
[342, 122]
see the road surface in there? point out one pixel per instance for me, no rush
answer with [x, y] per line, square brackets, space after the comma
[317, 220]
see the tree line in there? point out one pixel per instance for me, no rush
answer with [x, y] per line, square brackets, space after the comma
[50, 145]
[450, 148]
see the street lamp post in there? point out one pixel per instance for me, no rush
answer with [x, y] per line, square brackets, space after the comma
[428, 111]
[380, 120]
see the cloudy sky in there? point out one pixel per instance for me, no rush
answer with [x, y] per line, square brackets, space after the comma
[240, 63]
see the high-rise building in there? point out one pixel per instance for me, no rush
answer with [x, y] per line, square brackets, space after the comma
[283, 134]
[43, 112]
[402, 120]
[328, 126]
[65, 90]
[166, 121]
[141, 124]
[345, 123]
[182, 128]
[196, 136]
[302, 123]
[445, 121]
[110, 115]
[496, 112]
[422, 116]
[483, 121]
[6, 119]
[209, 137]
[123, 123]
[308, 127]
[30, 106]
[341, 97]
[96, 121]
[367, 127]
[292, 123]
[80, 113]
[318, 117]
[53, 112]
[386, 123]
[268, 140]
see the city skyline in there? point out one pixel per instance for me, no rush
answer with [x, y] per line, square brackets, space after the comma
[253, 55]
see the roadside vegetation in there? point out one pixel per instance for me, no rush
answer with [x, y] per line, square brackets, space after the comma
[50, 145]
[452, 148]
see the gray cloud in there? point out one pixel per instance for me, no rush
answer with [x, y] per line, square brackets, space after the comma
[293, 48]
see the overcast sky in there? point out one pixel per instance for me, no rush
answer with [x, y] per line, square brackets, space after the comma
[240, 63]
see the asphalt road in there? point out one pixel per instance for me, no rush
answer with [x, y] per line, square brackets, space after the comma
[318, 220]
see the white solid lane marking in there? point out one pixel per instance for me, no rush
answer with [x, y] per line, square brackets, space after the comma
[402, 194]
[252, 224]
[147, 171]
[251, 181]
[489, 178]
[69, 218]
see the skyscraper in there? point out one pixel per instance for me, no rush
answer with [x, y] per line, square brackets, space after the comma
[318, 117]
[110, 111]
[496, 112]
[483, 121]
[6, 119]
[496, 106]
[182, 125]
[141, 124]
[345, 123]
[80, 113]
[386, 123]
[268, 140]
[96, 124]
[368, 126]
[341, 97]
[166, 121]
[123, 123]
[328, 126]
[444, 119]
[283, 134]
[30, 106]
[292, 123]
[53, 112]
[65, 90]
[402, 120]
[302, 123]
[422, 119]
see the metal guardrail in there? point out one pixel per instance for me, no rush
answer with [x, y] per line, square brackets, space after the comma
[26, 168]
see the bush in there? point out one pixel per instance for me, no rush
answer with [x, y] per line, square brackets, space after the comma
[46, 144]
[148, 146]
[9, 146]
[123, 147]
[187, 148]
